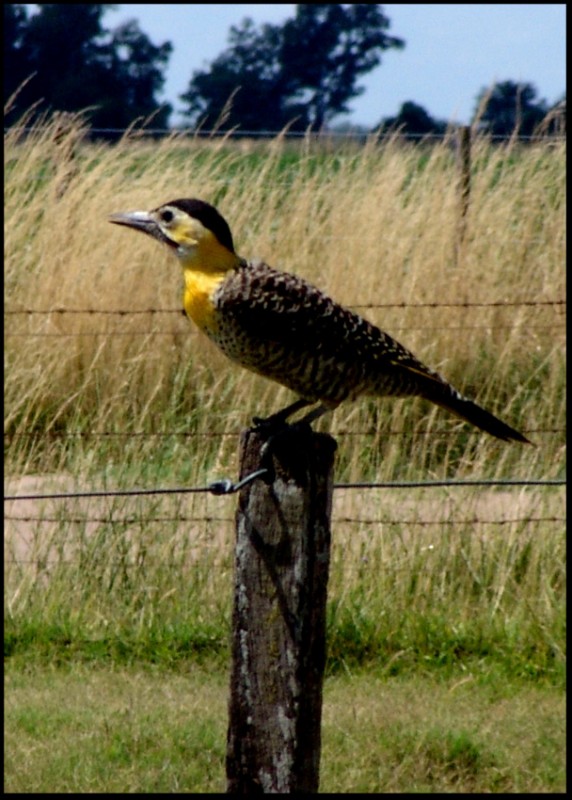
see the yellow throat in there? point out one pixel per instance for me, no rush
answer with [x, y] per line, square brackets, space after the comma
[205, 268]
[199, 289]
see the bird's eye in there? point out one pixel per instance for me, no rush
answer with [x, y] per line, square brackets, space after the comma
[167, 216]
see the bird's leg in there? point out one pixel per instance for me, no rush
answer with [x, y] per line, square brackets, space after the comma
[277, 426]
[279, 418]
[314, 414]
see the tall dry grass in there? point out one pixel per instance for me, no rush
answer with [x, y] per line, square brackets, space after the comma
[135, 399]
[370, 225]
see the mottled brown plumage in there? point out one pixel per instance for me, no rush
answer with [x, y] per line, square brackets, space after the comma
[283, 328]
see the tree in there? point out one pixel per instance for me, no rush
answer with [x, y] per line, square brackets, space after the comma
[510, 107]
[413, 119]
[76, 64]
[304, 72]
[326, 47]
[16, 63]
[247, 74]
[130, 79]
[554, 123]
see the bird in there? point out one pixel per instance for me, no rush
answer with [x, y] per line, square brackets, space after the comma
[279, 325]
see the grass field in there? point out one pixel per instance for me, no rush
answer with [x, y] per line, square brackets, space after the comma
[144, 730]
[444, 604]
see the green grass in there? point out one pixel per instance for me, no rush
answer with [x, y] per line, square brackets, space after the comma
[411, 584]
[115, 730]
[128, 730]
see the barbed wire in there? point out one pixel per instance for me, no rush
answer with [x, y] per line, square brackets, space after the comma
[236, 434]
[399, 329]
[324, 135]
[401, 304]
[60, 311]
[134, 520]
[430, 522]
[84, 334]
[81, 334]
[41, 562]
[401, 566]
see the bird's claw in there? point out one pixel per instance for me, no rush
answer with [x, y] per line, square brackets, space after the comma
[270, 425]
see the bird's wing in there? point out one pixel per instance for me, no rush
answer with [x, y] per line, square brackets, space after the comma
[279, 307]
[294, 322]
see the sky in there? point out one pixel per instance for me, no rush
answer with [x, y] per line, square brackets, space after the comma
[452, 51]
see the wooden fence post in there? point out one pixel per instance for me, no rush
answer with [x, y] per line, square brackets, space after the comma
[279, 617]
[464, 165]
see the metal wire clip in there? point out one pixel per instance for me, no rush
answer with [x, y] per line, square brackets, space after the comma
[226, 486]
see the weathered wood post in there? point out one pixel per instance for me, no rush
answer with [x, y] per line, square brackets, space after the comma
[279, 618]
[464, 166]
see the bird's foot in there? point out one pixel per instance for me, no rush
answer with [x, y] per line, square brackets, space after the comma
[278, 442]
[271, 425]
[278, 421]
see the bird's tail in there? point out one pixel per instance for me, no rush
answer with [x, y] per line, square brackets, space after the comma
[483, 419]
[413, 378]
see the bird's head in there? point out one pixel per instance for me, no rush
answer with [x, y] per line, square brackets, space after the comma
[195, 231]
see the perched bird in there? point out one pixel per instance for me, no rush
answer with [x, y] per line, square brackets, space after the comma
[280, 326]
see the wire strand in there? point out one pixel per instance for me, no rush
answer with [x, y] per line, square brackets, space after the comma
[225, 481]
[133, 520]
[402, 304]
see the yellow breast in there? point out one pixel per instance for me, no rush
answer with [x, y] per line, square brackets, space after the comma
[199, 289]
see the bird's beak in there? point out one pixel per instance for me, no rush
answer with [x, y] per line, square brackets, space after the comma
[140, 220]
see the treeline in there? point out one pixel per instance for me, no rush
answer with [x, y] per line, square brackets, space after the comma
[301, 74]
